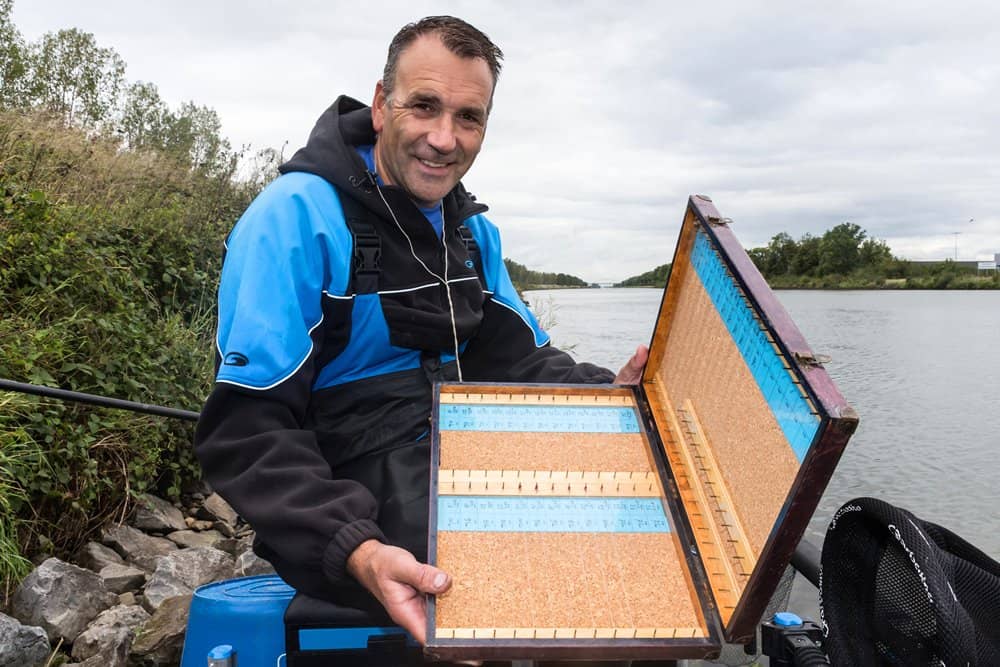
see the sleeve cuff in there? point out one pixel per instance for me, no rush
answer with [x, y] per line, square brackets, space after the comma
[343, 545]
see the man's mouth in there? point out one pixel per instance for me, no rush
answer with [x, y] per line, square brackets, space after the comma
[433, 165]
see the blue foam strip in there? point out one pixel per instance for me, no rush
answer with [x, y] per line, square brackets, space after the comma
[537, 418]
[551, 514]
[320, 639]
[787, 403]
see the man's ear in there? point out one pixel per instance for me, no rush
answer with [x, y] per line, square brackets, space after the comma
[378, 107]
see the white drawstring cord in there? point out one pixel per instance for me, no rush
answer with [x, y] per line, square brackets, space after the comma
[443, 281]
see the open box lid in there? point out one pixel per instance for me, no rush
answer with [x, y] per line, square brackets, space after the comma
[749, 419]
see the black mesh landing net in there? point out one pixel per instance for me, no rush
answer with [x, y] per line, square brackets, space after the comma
[897, 590]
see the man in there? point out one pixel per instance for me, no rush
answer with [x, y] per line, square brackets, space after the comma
[358, 278]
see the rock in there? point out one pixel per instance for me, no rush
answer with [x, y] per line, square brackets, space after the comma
[201, 524]
[110, 636]
[127, 598]
[40, 558]
[61, 598]
[190, 538]
[189, 521]
[250, 564]
[122, 578]
[224, 528]
[136, 546]
[181, 572]
[234, 547]
[22, 645]
[96, 661]
[196, 488]
[216, 509]
[157, 515]
[95, 556]
[162, 638]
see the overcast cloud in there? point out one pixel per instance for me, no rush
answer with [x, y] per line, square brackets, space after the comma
[608, 115]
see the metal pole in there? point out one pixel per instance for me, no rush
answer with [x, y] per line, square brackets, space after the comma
[92, 399]
[806, 560]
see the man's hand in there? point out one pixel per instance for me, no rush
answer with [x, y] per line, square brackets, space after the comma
[399, 582]
[631, 372]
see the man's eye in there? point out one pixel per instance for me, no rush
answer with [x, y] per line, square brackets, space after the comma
[470, 119]
[424, 108]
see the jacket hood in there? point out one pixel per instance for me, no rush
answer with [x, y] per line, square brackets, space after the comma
[330, 153]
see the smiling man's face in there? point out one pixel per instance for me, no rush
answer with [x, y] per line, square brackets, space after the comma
[432, 126]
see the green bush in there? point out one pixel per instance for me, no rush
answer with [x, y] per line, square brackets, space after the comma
[109, 261]
[19, 454]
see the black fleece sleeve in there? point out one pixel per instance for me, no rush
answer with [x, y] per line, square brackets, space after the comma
[272, 472]
[273, 325]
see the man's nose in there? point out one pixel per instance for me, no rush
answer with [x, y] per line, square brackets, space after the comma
[442, 135]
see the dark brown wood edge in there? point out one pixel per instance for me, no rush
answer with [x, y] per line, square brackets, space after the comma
[787, 336]
[562, 649]
[570, 649]
[803, 498]
[837, 422]
[697, 575]
[432, 498]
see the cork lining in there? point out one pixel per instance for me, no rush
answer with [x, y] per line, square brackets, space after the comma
[702, 364]
[563, 580]
[561, 585]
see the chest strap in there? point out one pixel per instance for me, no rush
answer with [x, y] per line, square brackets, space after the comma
[366, 262]
[471, 247]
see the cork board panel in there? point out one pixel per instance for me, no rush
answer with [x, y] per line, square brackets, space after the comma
[702, 363]
[487, 450]
[564, 580]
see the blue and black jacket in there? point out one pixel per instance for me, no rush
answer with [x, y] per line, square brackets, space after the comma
[329, 343]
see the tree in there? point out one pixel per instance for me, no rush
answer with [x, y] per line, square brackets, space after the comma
[145, 118]
[838, 249]
[69, 74]
[654, 278]
[11, 59]
[806, 260]
[781, 253]
[760, 257]
[194, 134]
[874, 253]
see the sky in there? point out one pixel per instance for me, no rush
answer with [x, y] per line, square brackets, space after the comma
[794, 117]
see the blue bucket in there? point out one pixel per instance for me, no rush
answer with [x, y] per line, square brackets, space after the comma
[246, 613]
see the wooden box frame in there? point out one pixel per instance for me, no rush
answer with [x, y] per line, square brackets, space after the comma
[729, 600]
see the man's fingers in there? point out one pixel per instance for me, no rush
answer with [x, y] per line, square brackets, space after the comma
[639, 359]
[429, 579]
[631, 372]
[404, 568]
[413, 619]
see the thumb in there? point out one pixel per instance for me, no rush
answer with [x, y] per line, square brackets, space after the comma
[428, 579]
[639, 359]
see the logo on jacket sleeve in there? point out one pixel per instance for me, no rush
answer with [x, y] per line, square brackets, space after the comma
[236, 359]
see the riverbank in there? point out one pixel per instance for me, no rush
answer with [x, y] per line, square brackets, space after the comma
[833, 283]
[941, 282]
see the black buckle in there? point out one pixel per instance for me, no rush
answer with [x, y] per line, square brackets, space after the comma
[367, 262]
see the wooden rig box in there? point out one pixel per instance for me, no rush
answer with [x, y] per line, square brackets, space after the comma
[645, 522]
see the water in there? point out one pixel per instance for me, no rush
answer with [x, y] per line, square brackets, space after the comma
[922, 369]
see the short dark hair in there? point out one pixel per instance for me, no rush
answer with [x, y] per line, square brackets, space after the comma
[462, 39]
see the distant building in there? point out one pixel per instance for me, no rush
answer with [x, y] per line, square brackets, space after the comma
[990, 266]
